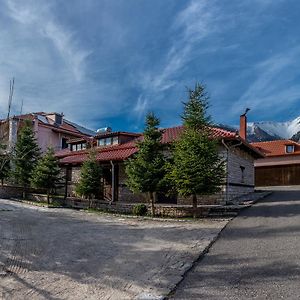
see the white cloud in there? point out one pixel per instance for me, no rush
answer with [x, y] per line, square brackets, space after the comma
[272, 89]
[40, 19]
[141, 106]
[192, 25]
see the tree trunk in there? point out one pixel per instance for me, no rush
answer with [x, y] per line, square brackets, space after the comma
[152, 204]
[194, 206]
[2, 181]
[48, 197]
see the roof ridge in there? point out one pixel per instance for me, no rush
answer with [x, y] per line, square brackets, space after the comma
[284, 140]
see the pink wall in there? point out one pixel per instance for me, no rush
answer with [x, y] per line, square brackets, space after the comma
[46, 137]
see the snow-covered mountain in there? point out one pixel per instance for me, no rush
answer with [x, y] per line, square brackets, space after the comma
[268, 131]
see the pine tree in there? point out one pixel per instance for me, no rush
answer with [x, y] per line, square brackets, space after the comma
[147, 169]
[197, 168]
[46, 174]
[26, 155]
[89, 184]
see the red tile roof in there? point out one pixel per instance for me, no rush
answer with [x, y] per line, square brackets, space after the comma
[115, 153]
[124, 151]
[171, 134]
[277, 148]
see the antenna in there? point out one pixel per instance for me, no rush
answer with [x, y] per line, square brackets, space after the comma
[10, 97]
[21, 110]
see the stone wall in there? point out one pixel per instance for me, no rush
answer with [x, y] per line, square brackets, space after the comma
[240, 181]
[8, 191]
[125, 195]
[180, 211]
[75, 176]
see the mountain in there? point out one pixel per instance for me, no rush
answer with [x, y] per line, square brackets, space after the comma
[269, 131]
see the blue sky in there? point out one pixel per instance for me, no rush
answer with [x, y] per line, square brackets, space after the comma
[106, 63]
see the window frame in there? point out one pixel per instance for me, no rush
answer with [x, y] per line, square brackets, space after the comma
[291, 147]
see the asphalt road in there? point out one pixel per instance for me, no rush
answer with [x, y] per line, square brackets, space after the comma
[256, 257]
[58, 254]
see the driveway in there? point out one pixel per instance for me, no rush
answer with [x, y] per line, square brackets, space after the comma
[256, 257]
[66, 254]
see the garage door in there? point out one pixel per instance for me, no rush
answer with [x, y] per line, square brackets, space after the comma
[277, 175]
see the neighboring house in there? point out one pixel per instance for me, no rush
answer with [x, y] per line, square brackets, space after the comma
[51, 129]
[113, 148]
[281, 165]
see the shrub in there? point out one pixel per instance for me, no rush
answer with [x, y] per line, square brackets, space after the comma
[140, 210]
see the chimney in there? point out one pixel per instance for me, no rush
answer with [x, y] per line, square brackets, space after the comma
[243, 125]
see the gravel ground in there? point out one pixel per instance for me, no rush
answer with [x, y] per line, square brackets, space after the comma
[256, 257]
[66, 254]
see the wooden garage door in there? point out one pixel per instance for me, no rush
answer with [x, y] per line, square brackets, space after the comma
[277, 175]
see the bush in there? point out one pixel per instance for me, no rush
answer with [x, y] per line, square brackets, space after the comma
[140, 210]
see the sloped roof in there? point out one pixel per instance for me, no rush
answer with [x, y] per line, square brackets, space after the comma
[67, 125]
[114, 153]
[124, 151]
[173, 133]
[277, 148]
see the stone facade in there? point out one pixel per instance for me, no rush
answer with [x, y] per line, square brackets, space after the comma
[239, 173]
[124, 194]
[73, 176]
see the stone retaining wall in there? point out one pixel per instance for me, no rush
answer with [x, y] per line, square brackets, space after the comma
[8, 191]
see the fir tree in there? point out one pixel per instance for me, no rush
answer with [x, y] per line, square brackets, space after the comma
[26, 155]
[89, 184]
[46, 174]
[197, 168]
[146, 171]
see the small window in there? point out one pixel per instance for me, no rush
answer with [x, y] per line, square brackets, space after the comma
[115, 140]
[69, 174]
[64, 144]
[84, 146]
[79, 147]
[289, 148]
[108, 141]
[242, 174]
[101, 142]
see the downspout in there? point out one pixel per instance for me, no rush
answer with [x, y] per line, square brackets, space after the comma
[112, 181]
[227, 172]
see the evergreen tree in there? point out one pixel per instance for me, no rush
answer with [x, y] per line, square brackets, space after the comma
[146, 171]
[46, 174]
[26, 155]
[89, 184]
[197, 168]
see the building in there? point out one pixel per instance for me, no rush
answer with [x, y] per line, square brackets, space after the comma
[281, 164]
[51, 129]
[113, 148]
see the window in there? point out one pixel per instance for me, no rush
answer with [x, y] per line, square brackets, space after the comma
[242, 174]
[115, 140]
[78, 147]
[64, 144]
[69, 174]
[289, 148]
[108, 141]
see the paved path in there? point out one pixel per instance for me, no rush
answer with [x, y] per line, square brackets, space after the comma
[66, 254]
[256, 257]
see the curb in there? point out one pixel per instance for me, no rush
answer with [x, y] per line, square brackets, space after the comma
[196, 261]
